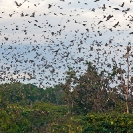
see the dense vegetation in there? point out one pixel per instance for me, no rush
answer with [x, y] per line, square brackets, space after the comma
[83, 104]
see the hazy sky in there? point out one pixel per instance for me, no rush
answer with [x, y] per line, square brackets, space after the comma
[53, 38]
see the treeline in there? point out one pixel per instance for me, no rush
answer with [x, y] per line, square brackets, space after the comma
[84, 103]
[27, 94]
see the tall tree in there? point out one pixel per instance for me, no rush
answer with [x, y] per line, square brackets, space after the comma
[124, 77]
[89, 90]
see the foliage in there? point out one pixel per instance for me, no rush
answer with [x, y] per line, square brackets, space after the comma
[45, 117]
[90, 91]
[28, 94]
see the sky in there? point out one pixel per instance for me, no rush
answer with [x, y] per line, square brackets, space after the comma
[60, 35]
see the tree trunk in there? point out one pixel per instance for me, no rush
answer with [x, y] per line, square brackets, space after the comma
[127, 88]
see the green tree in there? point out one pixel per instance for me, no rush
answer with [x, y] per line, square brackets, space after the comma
[89, 91]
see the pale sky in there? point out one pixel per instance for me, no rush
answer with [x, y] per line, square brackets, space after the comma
[67, 27]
